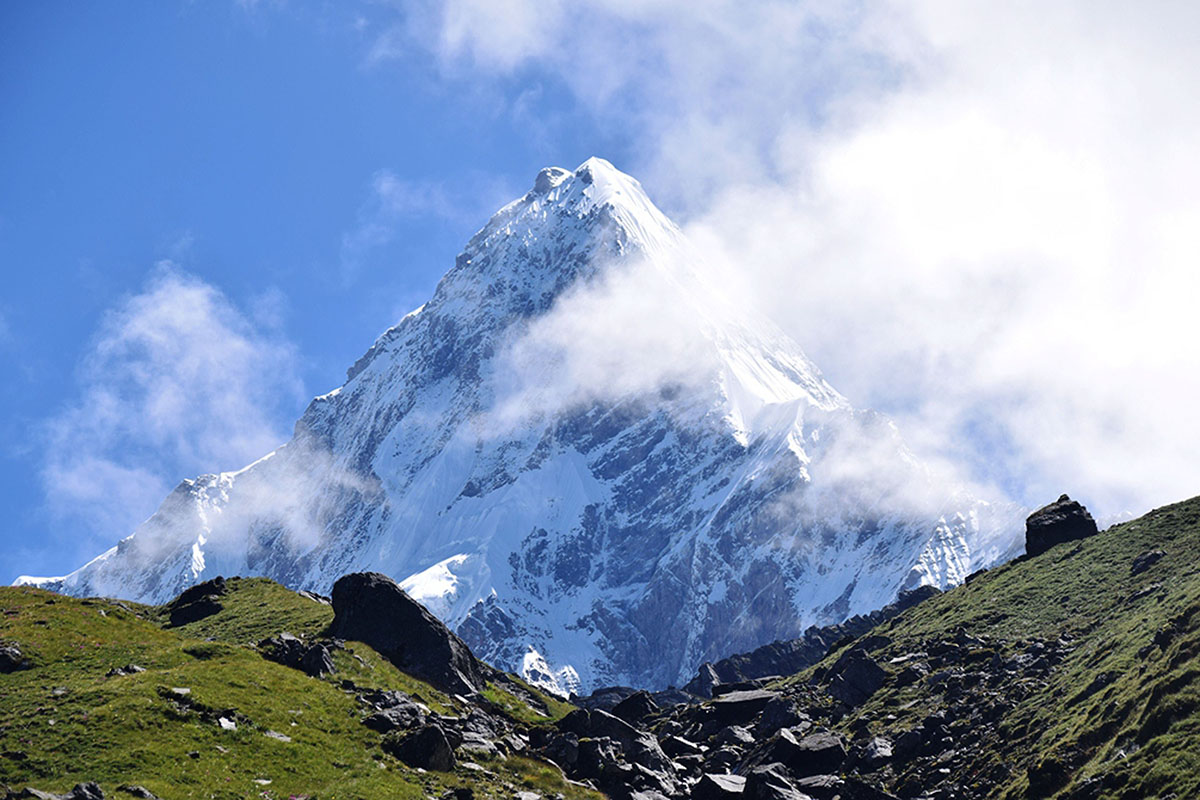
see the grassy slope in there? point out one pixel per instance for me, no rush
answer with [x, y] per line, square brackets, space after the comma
[63, 721]
[1144, 725]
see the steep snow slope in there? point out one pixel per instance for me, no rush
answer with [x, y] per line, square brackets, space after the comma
[581, 455]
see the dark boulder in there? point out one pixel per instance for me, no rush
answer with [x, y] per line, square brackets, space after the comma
[11, 658]
[741, 707]
[197, 602]
[719, 787]
[678, 747]
[312, 658]
[137, 791]
[822, 787]
[779, 713]
[372, 608]
[606, 697]
[771, 782]
[398, 717]
[815, 754]
[317, 661]
[1145, 561]
[855, 677]
[428, 748]
[1064, 520]
[120, 672]
[598, 723]
[706, 678]
[635, 708]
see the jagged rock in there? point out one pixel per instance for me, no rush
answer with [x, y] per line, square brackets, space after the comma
[706, 678]
[562, 749]
[316, 598]
[1064, 520]
[595, 754]
[398, 717]
[606, 697]
[120, 672]
[719, 787]
[815, 754]
[197, 602]
[855, 677]
[428, 748]
[371, 608]
[81, 791]
[822, 787]
[598, 723]
[1144, 561]
[677, 747]
[734, 735]
[770, 782]
[740, 707]
[11, 658]
[317, 661]
[137, 791]
[793, 655]
[779, 713]
[313, 659]
[635, 708]
[878, 751]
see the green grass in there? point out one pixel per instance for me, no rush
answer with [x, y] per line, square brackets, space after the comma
[519, 711]
[1143, 727]
[63, 721]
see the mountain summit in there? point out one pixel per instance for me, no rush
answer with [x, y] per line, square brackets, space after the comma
[586, 459]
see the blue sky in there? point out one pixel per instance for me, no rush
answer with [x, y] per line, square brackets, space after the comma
[953, 210]
[241, 144]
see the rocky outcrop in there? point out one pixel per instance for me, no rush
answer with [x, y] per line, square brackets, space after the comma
[313, 658]
[81, 791]
[372, 608]
[11, 657]
[428, 748]
[791, 656]
[198, 602]
[1064, 520]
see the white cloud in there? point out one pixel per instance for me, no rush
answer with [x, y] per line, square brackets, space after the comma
[982, 219]
[177, 382]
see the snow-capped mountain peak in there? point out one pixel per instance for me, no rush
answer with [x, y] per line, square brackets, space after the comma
[581, 455]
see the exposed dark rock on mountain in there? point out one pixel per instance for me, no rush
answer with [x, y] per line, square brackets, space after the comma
[11, 658]
[82, 791]
[1064, 520]
[428, 748]
[1145, 561]
[793, 655]
[370, 607]
[197, 602]
[1017, 686]
[313, 658]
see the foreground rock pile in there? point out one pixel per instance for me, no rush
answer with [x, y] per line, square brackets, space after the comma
[790, 742]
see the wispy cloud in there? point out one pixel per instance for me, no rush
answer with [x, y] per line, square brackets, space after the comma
[981, 220]
[177, 382]
[394, 201]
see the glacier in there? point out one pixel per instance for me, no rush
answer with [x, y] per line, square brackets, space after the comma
[586, 459]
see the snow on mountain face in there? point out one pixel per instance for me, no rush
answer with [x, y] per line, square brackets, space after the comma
[579, 456]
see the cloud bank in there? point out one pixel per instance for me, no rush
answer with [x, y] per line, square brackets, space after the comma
[981, 220]
[177, 382]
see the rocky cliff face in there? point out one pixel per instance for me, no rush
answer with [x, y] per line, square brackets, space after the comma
[586, 460]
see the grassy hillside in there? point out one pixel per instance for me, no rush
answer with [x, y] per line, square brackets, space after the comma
[64, 720]
[1060, 675]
